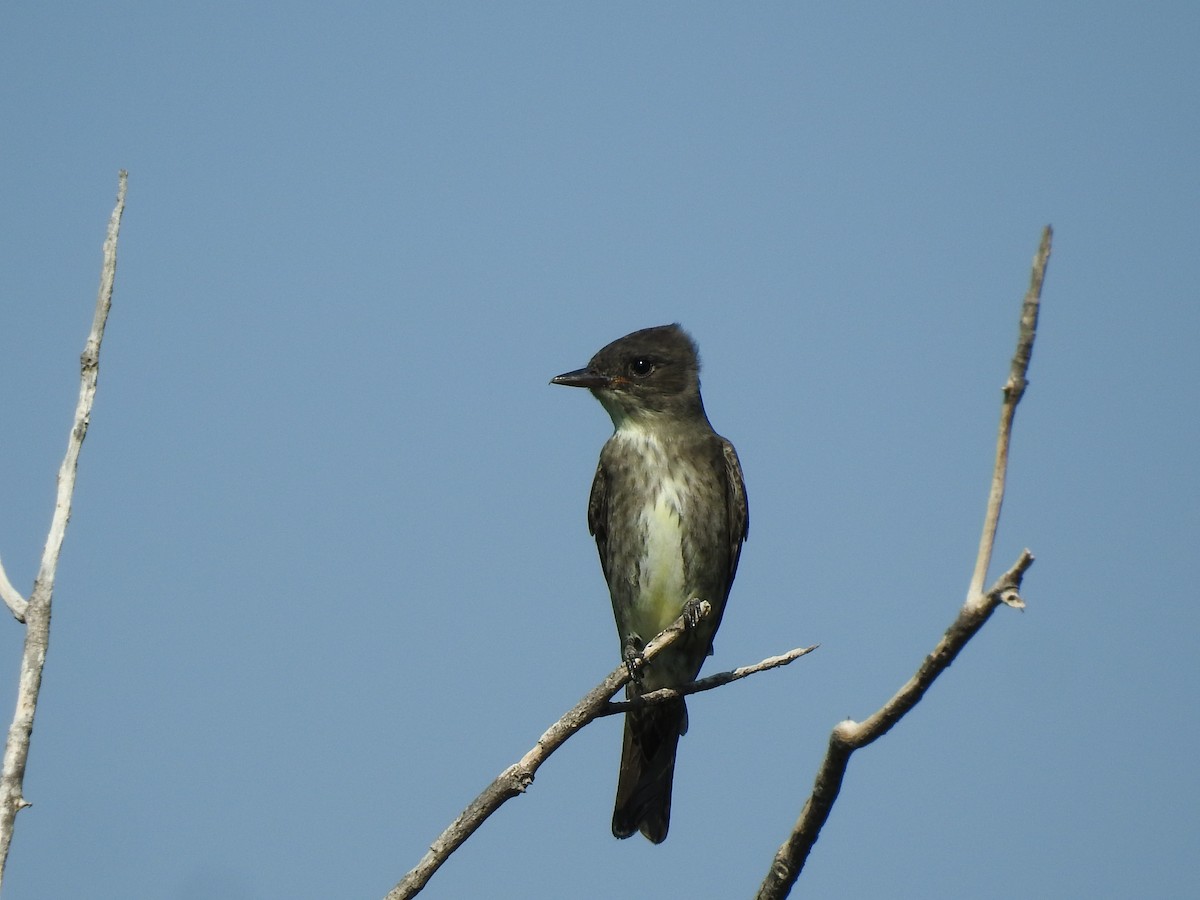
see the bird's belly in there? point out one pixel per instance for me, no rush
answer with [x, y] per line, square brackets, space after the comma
[662, 589]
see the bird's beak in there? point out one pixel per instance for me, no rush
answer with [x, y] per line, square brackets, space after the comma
[584, 378]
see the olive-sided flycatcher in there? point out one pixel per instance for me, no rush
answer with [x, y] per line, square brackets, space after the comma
[668, 511]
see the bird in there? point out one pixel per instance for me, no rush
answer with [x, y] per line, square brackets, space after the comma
[669, 514]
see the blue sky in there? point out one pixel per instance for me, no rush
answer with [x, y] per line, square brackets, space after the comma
[328, 570]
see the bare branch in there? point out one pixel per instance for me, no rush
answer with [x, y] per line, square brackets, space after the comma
[720, 679]
[12, 597]
[849, 736]
[1014, 390]
[516, 778]
[37, 610]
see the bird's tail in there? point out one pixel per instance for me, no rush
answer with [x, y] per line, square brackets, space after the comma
[648, 770]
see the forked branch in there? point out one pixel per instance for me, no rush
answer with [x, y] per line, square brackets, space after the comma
[516, 778]
[849, 736]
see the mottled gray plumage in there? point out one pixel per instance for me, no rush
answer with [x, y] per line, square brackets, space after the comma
[668, 511]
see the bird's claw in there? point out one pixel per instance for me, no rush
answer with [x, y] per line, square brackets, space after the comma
[691, 612]
[634, 660]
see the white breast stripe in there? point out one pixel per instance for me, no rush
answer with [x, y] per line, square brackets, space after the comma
[661, 584]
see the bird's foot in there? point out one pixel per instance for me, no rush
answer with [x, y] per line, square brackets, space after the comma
[691, 612]
[634, 660]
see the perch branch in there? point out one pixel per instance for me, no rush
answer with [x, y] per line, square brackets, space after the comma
[517, 777]
[720, 679]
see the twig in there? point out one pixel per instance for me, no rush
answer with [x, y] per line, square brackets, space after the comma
[36, 612]
[1014, 390]
[720, 679]
[849, 736]
[12, 597]
[516, 778]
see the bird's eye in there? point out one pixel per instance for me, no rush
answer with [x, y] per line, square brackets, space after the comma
[641, 367]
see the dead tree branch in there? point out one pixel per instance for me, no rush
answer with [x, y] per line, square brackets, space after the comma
[849, 736]
[720, 679]
[35, 612]
[516, 778]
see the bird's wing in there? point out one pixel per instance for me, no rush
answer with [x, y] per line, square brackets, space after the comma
[737, 512]
[598, 513]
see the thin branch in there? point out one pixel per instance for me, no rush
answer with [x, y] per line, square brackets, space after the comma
[37, 610]
[1014, 390]
[12, 597]
[516, 778]
[720, 679]
[849, 736]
